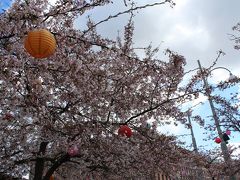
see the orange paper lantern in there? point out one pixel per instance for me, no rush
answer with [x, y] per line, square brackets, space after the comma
[40, 43]
[51, 178]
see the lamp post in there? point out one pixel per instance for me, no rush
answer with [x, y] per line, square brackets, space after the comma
[195, 149]
[224, 148]
[199, 172]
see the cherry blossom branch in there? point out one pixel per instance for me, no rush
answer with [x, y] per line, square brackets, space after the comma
[220, 52]
[152, 108]
[126, 12]
[74, 9]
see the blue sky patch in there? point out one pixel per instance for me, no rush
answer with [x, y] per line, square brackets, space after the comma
[4, 4]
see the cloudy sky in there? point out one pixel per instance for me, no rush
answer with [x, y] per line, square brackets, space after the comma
[195, 28]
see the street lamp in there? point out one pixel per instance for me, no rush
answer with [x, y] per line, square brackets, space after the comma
[199, 175]
[195, 149]
[226, 154]
[231, 76]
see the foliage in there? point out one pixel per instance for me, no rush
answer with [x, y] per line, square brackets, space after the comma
[82, 94]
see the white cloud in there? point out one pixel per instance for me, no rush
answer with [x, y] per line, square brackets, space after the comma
[180, 4]
[237, 151]
[197, 37]
[201, 99]
[171, 129]
[219, 75]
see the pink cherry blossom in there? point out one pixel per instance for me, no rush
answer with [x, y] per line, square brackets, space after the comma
[73, 150]
[228, 132]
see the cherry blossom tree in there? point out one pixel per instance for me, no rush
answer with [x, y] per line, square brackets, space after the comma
[61, 114]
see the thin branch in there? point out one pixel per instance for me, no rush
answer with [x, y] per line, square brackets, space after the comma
[126, 12]
[152, 108]
[86, 6]
[220, 52]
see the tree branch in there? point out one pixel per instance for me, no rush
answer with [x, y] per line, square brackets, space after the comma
[126, 12]
[58, 163]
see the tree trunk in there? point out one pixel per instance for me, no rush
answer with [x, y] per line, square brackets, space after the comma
[39, 167]
[58, 163]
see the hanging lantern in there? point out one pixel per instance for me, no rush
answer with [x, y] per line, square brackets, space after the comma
[125, 131]
[40, 43]
[51, 177]
[8, 116]
[218, 140]
[73, 150]
[228, 132]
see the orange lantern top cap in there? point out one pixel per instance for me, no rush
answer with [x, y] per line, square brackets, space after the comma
[40, 43]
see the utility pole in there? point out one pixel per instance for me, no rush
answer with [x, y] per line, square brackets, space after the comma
[195, 149]
[224, 148]
[199, 172]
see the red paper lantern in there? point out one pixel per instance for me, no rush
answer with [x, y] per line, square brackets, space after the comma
[125, 131]
[228, 132]
[8, 116]
[218, 140]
